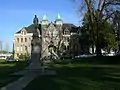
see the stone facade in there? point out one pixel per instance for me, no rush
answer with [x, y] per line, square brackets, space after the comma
[22, 42]
[56, 38]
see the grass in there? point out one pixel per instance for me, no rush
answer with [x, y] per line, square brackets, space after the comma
[90, 74]
[6, 68]
[8, 79]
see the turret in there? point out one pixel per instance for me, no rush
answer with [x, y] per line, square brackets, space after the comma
[58, 20]
[44, 20]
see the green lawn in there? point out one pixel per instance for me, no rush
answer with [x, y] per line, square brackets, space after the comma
[6, 68]
[90, 74]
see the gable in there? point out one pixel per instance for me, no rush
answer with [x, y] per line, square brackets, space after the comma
[23, 31]
[66, 31]
[51, 27]
[29, 29]
[51, 30]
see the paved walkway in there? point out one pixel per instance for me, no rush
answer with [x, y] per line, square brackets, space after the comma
[21, 83]
[30, 73]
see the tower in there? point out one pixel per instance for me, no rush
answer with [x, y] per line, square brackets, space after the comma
[44, 24]
[58, 20]
[44, 20]
[59, 24]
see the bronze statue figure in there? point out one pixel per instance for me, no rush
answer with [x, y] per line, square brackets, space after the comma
[35, 20]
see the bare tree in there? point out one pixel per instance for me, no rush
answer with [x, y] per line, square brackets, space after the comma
[99, 12]
[116, 25]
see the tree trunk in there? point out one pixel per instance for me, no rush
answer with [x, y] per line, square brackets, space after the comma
[98, 49]
[119, 47]
[98, 46]
[93, 49]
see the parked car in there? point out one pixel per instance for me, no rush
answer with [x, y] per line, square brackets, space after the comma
[8, 59]
[84, 56]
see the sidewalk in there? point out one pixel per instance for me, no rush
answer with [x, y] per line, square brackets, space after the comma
[29, 74]
[25, 80]
[20, 83]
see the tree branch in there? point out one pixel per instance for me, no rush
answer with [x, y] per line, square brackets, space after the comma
[107, 17]
[99, 4]
[103, 6]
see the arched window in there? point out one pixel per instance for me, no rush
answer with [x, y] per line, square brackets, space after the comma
[25, 39]
[23, 32]
[17, 39]
[17, 54]
[21, 39]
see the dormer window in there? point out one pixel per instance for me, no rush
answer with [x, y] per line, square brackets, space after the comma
[23, 32]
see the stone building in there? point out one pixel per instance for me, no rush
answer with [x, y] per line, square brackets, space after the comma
[53, 38]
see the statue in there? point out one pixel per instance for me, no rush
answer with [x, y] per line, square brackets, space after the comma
[35, 20]
[36, 23]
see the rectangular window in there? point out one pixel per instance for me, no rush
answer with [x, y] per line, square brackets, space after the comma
[17, 48]
[21, 48]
